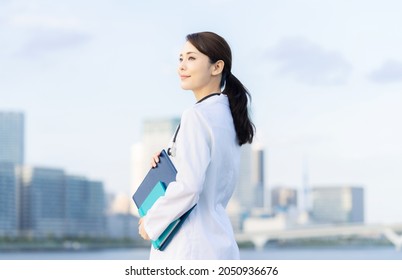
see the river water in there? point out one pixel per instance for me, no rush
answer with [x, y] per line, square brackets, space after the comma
[287, 253]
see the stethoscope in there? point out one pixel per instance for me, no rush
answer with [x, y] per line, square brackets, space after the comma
[172, 150]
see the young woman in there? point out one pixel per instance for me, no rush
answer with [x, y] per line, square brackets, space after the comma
[206, 155]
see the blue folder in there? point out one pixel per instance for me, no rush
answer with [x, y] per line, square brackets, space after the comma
[154, 186]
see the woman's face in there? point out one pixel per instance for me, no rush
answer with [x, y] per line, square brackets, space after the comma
[195, 69]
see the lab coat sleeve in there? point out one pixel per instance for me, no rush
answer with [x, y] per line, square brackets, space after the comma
[193, 154]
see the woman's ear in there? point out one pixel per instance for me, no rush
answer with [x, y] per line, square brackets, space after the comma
[217, 67]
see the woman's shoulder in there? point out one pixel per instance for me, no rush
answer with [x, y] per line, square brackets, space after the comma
[207, 111]
[192, 114]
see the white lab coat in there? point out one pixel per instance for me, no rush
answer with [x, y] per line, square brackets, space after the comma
[207, 160]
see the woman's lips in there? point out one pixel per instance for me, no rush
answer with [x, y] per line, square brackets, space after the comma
[184, 77]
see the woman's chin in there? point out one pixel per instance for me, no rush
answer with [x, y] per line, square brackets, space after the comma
[185, 87]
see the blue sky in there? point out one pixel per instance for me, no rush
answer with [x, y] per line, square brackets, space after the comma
[325, 76]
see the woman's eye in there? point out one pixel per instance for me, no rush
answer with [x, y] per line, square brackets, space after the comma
[189, 58]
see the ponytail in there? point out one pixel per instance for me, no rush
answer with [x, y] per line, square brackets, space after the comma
[238, 98]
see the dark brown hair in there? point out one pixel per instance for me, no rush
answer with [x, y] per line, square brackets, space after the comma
[216, 48]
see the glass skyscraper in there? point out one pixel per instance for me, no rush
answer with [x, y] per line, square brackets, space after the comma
[12, 137]
[11, 155]
[250, 185]
[85, 207]
[42, 201]
[8, 200]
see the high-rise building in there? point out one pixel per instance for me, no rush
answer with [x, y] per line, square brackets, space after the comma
[76, 193]
[11, 156]
[12, 137]
[84, 207]
[338, 204]
[43, 202]
[9, 215]
[96, 209]
[257, 177]
[249, 191]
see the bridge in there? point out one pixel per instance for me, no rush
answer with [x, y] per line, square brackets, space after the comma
[260, 237]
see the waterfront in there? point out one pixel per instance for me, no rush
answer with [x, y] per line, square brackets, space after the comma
[269, 253]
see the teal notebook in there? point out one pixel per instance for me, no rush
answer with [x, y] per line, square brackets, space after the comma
[158, 191]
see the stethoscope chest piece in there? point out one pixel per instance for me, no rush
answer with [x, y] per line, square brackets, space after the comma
[172, 150]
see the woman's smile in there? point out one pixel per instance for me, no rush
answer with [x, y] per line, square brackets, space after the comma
[183, 77]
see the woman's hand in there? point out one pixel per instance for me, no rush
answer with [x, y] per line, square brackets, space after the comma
[155, 159]
[141, 230]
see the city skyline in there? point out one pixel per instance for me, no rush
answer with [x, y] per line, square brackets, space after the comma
[155, 133]
[325, 80]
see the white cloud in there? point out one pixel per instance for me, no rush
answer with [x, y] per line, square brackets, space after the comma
[39, 34]
[309, 63]
[44, 41]
[43, 21]
[389, 72]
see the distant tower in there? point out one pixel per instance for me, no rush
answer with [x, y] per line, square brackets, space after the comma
[306, 191]
[257, 176]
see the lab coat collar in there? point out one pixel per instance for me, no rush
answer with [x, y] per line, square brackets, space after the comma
[208, 96]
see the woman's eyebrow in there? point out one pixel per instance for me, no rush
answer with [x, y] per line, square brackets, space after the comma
[188, 53]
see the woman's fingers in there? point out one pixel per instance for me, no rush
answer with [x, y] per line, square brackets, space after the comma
[155, 160]
[141, 230]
